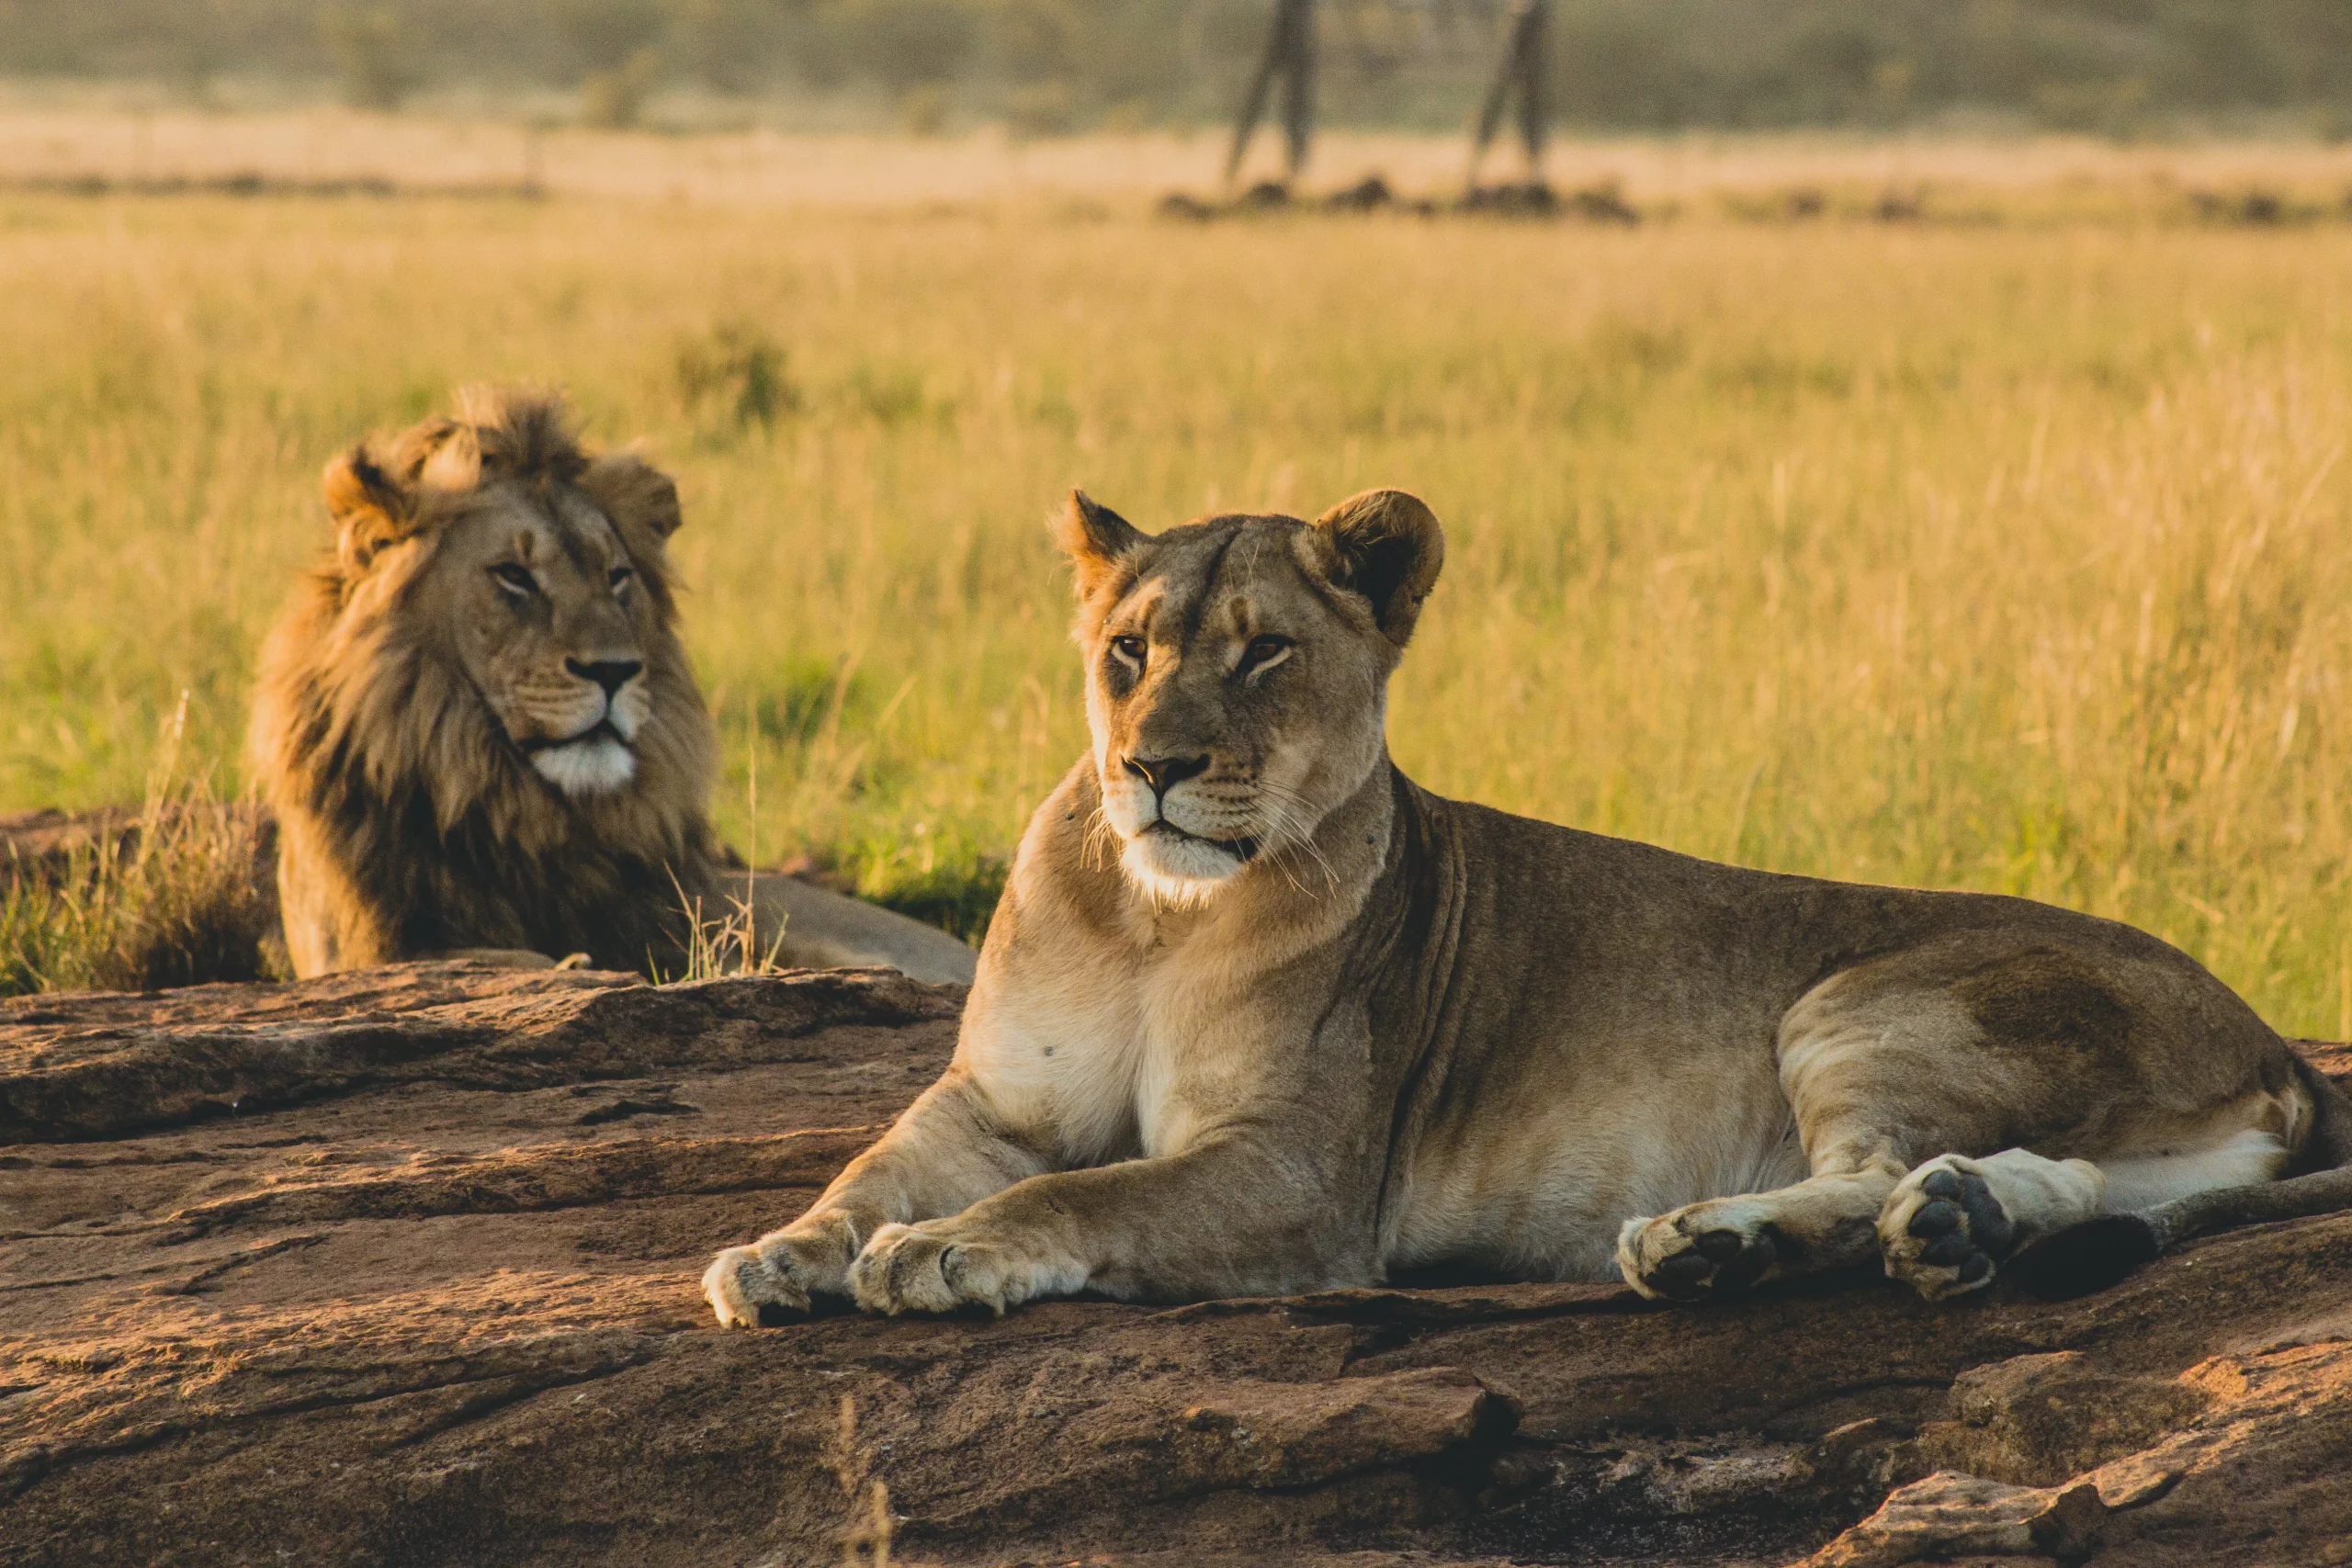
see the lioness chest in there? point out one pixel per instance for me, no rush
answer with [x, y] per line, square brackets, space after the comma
[1120, 1056]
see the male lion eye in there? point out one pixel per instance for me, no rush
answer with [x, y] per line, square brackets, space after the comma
[514, 579]
[1130, 648]
[619, 577]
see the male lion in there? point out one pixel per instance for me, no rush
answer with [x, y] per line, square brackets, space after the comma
[479, 729]
[1257, 1015]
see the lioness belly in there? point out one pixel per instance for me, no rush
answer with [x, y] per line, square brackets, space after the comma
[1532, 1175]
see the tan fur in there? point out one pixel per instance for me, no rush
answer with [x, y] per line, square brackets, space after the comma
[1257, 1015]
[479, 731]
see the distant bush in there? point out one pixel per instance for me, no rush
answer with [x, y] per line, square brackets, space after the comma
[908, 44]
[738, 372]
[171, 897]
[614, 99]
[372, 56]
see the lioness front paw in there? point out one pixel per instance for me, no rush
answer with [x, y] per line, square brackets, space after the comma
[771, 1279]
[1942, 1232]
[940, 1265]
[1704, 1250]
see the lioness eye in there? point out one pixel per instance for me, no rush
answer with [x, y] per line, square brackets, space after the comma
[514, 579]
[1130, 648]
[1262, 652]
[619, 577]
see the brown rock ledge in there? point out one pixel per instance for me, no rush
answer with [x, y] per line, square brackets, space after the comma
[399, 1268]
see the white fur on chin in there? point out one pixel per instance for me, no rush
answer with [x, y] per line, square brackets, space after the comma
[1182, 874]
[587, 767]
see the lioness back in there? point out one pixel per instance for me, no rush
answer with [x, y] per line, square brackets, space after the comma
[1627, 1011]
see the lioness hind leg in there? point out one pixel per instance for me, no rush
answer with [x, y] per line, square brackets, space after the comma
[1949, 1226]
[1884, 1065]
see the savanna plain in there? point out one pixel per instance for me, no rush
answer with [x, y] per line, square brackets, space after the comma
[2003, 553]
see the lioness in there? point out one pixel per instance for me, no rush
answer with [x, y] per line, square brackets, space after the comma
[479, 729]
[1257, 1015]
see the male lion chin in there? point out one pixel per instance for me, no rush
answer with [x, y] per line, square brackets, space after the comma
[597, 763]
[1177, 870]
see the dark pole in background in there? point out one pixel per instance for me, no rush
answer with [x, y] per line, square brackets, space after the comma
[1521, 74]
[1290, 60]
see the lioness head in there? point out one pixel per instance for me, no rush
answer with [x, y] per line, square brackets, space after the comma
[1237, 674]
[528, 568]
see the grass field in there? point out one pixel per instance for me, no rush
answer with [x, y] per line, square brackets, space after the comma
[2001, 556]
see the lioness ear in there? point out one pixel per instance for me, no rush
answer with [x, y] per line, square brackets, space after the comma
[369, 508]
[1390, 549]
[633, 493]
[1095, 538]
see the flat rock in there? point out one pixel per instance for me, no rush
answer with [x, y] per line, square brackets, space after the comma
[400, 1267]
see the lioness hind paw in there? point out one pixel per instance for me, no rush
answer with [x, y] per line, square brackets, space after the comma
[1942, 1232]
[1666, 1262]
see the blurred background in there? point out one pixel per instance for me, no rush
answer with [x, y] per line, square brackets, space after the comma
[1906, 447]
[1054, 67]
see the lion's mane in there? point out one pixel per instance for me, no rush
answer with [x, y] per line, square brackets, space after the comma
[411, 823]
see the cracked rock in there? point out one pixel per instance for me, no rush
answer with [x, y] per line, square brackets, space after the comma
[398, 1269]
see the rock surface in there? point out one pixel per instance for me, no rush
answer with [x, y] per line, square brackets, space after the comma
[400, 1267]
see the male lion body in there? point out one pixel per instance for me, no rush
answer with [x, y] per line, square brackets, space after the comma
[479, 731]
[1259, 1015]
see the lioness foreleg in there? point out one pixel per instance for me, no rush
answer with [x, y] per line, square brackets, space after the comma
[1155, 1229]
[944, 1154]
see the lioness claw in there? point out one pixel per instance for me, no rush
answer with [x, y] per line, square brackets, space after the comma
[745, 1292]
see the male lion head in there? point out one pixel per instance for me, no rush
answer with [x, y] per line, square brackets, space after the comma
[477, 723]
[1237, 674]
[530, 570]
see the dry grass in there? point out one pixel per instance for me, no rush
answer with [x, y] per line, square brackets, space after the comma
[726, 942]
[170, 901]
[866, 1533]
[1997, 556]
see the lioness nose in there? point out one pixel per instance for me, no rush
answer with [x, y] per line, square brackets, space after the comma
[610, 674]
[1164, 773]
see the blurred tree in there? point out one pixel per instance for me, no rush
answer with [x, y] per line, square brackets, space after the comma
[1288, 65]
[1036, 41]
[605, 35]
[372, 57]
[611, 48]
[1619, 64]
[728, 45]
[1524, 76]
[909, 44]
[614, 99]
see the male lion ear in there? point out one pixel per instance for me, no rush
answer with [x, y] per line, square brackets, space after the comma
[1096, 539]
[1390, 549]
[453, 463]
[633, 493]
[369, 508]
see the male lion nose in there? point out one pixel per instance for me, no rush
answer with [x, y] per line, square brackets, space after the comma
[610, 674]
[1164, 773]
